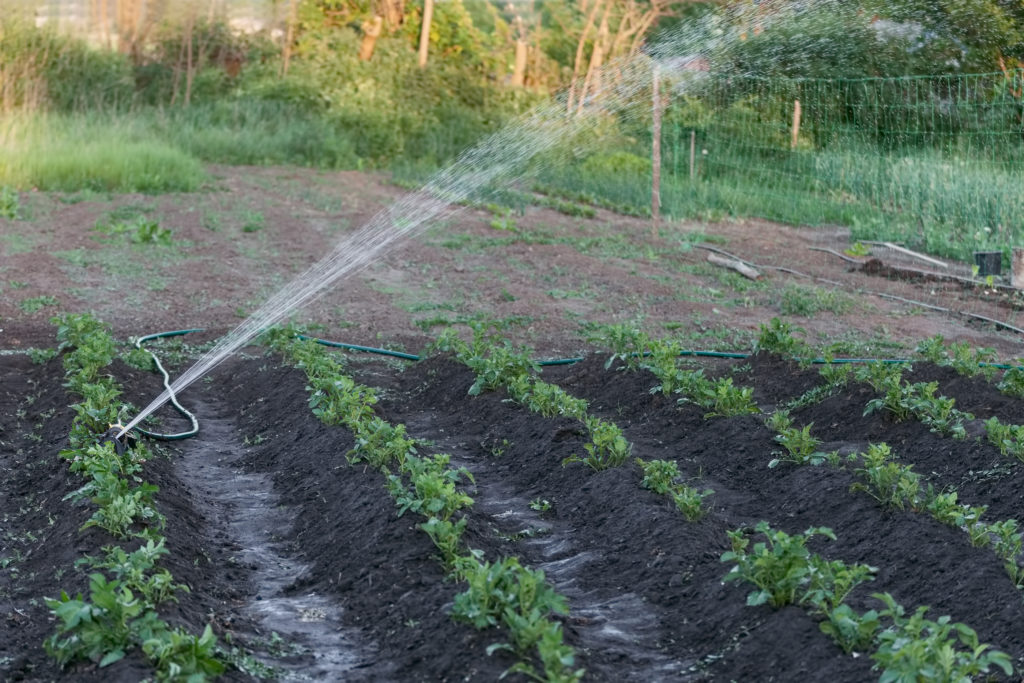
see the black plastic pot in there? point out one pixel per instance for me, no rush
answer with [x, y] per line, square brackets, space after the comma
[988, 262]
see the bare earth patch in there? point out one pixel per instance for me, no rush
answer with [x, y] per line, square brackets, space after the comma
[255, 228]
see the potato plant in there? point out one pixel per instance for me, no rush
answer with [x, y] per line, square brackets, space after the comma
[720, 397]
[1012, 382]
[905, 648]
[662, 477]
[119, 614]
[503, 593]
[896, 485]
[496, 365]
[785, 572]
[508, 593]
[903, 400]
[777, 336]
[960, 356]
[914, 648]
[887, 481]
[1009, 439]
[801, 446]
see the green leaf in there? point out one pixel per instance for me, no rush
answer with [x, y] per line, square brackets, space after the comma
[112, 657]
[758, 598]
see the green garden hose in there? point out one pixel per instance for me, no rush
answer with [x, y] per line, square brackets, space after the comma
[167, 385]
[412, 357]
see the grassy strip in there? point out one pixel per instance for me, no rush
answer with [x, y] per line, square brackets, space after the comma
[125, 586]
[503, 592]
[497, 364]
[907, 648]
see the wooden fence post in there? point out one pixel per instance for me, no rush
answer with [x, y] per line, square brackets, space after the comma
[796, 124]
[655, 155]
[1017, 267]
[693, 154]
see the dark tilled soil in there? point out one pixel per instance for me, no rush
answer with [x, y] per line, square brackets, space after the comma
[644, 585]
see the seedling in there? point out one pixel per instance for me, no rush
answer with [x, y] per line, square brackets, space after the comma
[540, 505]
[887, 481]
[1012, 382]
[777, 337]
[802, 447]
[1009, 439]
[852, 632]
[787, 573]
[37, 303]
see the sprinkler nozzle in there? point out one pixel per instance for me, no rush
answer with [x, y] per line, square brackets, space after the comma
[121, 439]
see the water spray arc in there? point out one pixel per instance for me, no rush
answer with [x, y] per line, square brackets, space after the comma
[499, 160]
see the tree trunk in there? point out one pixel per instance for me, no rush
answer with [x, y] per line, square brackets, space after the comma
[428, 16]
[289, 36]
[190, 25]
[519, 67]
[394, 14]
[519, 64]
[592, 82]
[105, 23]
[580, 47]
[371, 31]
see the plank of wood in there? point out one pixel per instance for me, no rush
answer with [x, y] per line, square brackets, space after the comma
[741, 268]
[908, 252]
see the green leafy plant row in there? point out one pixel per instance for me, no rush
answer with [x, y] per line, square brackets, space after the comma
[906, 648]
[896, 485]
[124, 587]
[959, 356]
[636, 350]
[903, 400]
[496, 364]
[500, 593]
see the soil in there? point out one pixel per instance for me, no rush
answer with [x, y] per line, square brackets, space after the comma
[298, 558]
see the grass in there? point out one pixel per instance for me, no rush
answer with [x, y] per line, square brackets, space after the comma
[37, 303]
[152, 151]
[945, 204]
[805, 301]
[70, 154]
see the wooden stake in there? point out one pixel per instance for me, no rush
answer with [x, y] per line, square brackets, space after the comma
[1017, 267]
[693, 154]
[655, 155]
[796, 124]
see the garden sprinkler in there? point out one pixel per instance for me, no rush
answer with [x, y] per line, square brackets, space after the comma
[121, 441]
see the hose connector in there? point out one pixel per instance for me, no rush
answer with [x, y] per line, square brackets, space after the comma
[122, 440]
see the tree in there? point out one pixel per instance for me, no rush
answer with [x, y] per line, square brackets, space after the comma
[966, 35]
[622, 29]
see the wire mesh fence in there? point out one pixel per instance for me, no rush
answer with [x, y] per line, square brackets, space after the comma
[934, 162]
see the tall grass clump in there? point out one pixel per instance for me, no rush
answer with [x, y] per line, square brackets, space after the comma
[70, 153]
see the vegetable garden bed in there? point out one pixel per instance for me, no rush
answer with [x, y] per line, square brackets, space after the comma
[643, 584]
